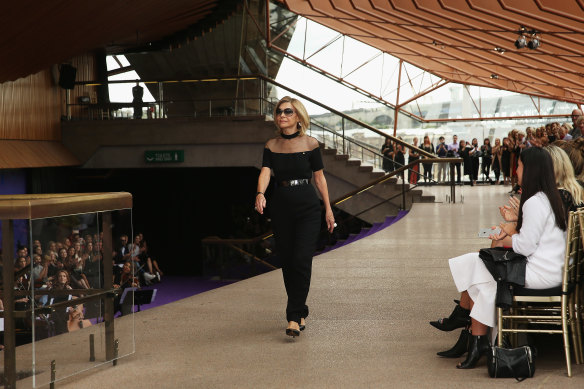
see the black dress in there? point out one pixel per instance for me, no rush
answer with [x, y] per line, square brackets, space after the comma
[296, 220]
[387, 158]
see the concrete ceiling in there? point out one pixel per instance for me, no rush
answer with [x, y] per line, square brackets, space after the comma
[458, 39]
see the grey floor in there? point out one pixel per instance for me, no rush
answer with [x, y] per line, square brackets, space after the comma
[370, 306]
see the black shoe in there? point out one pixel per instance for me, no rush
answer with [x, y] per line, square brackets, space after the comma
[459, 318]
[478, 346]
[293, 329]
[302, 326]
[459, 348]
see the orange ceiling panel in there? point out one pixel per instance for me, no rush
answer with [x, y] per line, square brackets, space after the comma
[456, 39]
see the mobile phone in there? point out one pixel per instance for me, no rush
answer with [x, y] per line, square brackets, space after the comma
[486, 232]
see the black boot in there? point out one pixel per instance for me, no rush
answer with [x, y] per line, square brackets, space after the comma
[478, 346]
[459, 318]
[459, 348]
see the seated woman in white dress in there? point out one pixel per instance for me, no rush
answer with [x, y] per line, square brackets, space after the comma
[539, 234]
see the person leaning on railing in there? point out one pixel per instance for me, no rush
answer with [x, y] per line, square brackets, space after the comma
[295, 158]
[539, 233]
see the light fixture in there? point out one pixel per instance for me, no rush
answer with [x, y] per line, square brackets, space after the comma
[533, 43]
[494, 76]
[499, 50]
[521, 42]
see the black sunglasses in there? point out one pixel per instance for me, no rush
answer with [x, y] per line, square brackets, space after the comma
[287, 112]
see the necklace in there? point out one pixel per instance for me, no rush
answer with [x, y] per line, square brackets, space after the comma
[291, 136]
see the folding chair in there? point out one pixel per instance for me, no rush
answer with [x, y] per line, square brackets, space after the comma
[549, 308]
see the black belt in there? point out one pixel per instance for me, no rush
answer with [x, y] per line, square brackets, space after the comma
[301, 181]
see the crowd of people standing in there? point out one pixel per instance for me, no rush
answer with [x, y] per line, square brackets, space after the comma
[498, 156]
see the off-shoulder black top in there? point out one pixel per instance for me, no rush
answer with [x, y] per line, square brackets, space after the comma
[292, 166]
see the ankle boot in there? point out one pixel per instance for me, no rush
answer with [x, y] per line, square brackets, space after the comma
[478, 346]
[459, 348]
[459, 318]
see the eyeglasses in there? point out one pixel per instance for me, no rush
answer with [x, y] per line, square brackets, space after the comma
[287, 112]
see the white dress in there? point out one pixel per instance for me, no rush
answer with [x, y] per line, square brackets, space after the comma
[540, 240]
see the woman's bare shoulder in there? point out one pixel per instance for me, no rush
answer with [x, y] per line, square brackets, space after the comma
[312, 142]
[271, 143]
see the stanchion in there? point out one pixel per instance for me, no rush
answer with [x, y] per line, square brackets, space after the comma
[91, 348]
[116, 350]
[53, 373]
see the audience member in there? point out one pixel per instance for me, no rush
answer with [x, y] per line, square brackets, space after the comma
[453, 152]
[576, 131]
[441, 152]
[487, 153]
[428, 147]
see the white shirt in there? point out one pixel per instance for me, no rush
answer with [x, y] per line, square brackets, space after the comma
[542, 242]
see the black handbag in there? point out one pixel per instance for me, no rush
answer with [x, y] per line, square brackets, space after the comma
[518, 363]
[508, 270]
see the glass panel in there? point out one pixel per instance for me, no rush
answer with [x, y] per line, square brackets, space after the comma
[17, 252]
[70, 292]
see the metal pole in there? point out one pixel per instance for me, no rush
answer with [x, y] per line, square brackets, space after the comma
[8, 299]
[53, 373]
[397, 107]
[343, 127]
[108, 284]
[91, 348]
[452, 187]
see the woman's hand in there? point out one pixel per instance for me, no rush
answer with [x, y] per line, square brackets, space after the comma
[508, 228]
[260, 203]
[510, 212]
[330, 220]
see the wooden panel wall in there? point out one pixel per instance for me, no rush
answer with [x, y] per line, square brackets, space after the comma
[30, 108]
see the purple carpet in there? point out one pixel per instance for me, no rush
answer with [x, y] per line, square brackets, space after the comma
[173, 288]
[376, 227]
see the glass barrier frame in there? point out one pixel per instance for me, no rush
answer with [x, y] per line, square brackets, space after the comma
[35, 207]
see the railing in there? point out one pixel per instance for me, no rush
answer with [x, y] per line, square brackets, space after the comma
[333, 135]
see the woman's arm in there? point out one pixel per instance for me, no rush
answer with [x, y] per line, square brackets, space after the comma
[322, 187]
[263, 181]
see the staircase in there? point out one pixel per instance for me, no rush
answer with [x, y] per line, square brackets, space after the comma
[345, 175]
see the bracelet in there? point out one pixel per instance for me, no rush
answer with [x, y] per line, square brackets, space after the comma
[262, 193]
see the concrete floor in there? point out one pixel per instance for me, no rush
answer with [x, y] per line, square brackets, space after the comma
[370, 305]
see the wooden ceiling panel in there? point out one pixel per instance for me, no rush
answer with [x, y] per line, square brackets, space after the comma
[35, 35]
[456, 39]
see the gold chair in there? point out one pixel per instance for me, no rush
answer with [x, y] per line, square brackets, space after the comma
[550, 308]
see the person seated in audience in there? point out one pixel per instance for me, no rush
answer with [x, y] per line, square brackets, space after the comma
[124, 278]
[60, 316]
[122, 250]
[143, 265]
[539, 234]
[575, 151]
[151, 263]
[40, 270]
[75, 269]
[571, 191]
[92, 260]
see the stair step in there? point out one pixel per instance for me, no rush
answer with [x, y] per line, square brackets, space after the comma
[329, 151]
[342, 157]
[375, 174]
[426, 199]
[354, 162]
[365, 168]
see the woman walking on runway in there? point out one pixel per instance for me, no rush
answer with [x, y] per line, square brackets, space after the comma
[295, 158]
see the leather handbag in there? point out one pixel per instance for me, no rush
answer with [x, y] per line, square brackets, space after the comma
[518, 363]
[508, 269]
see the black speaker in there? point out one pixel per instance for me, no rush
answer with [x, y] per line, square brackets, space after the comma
[67, 74]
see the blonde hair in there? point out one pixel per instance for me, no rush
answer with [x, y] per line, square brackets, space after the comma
[303, 118]
[564, 172]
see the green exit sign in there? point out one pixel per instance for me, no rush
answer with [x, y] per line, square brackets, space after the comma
[161, 156]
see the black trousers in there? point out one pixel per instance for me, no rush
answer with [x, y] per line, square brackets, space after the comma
[296, 220]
